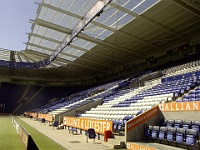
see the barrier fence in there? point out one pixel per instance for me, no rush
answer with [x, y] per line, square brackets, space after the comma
[84, 123]
[48, 117]
[25, 136]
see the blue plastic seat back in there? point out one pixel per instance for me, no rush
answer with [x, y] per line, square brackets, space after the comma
[119, 126]
[196, 126]
[171, 134]
[43, 120]
[190, 139]
[187, 124]
[148, 131]
[170, 123]
[180, 135]
[91, 133]
[55, 124]
[178, 123]
[162, 133]
[155, 132]
[191, 136]
[115, 126]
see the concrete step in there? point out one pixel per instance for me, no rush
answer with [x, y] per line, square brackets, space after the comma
[109, 145]
[113, 143]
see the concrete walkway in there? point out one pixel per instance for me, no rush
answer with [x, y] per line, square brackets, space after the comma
[64, 138]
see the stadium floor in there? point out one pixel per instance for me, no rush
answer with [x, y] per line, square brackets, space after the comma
[9, 139]
[62, 137]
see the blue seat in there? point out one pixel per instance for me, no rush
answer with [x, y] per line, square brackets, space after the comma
[115, 125]
[43, 120]
[180, 135]
[191, 137]
[178, 123]
[187, 124]
[170, 123]
[155, 131]
[148, 131]
[162, 133]
[171, 133]
[90, 134]
[55, 124]
[196, 126]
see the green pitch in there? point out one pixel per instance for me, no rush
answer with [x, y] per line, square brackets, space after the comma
[9, 139]
[41, 140]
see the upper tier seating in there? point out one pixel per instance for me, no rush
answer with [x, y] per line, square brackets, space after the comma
[193, 95]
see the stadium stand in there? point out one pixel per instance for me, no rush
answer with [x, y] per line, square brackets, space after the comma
[122, 103]
[145, 92]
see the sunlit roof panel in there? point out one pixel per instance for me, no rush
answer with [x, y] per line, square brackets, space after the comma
[49, 33]
[79, 53]
[143, 6]
[55, 45]
[68, 22]
[56, 2]
[42, 12]
[67, 57]
[48, 16]
[35, 29]
[122, 21]
[50, 44]
[71, 51]
[58, 18]
[37, 40]
[56, 35]
[47, 1]
[43, 43]
[104, 34]
[80, 43]
[90, 45]
[80, 7]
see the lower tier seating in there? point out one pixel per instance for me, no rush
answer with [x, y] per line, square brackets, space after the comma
[178, 131]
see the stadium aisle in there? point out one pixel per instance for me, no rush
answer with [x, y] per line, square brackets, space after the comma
[10, 140]
[69, 141]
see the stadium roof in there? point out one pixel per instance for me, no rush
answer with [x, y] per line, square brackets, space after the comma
[126, 33]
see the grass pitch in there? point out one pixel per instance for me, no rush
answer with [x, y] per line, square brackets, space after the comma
[41, 140]
[9, 139]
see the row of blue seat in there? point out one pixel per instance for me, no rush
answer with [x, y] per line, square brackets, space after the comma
[179, 135]
[186, 124]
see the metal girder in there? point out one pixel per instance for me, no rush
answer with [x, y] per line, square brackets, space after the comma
[19, 57]
[147, 20]
[87, 38]
[93, 22]
[12, 56]
[192, 3]
[60, 59]
[63, 53]
[45, 55]
[64, 60]
[186, 7]
[25, 57]
[79, 48]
